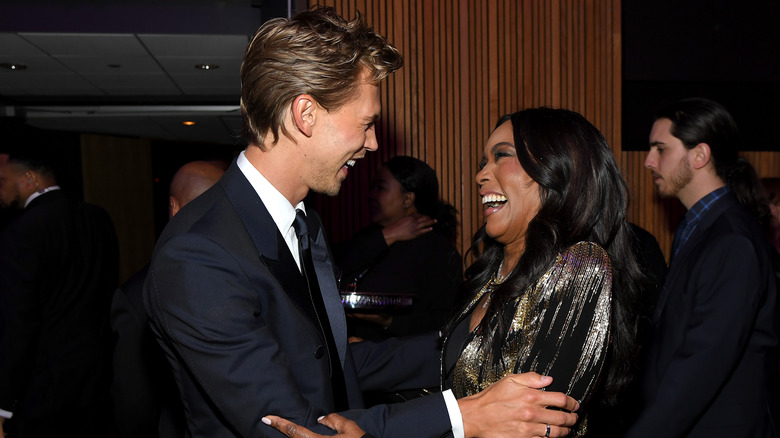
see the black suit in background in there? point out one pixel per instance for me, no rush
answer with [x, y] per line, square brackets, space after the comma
[58, 267]
[711, 361]
[428, 267]
[142, 388]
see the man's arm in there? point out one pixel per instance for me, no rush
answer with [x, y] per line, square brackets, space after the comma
[20, 313]
[513, 407]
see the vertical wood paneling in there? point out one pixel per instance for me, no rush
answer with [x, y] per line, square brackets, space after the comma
[117, 175]
[467, 62]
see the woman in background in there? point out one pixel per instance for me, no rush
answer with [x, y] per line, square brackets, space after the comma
[408, 248]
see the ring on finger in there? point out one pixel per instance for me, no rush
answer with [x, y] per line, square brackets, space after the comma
[547, 433]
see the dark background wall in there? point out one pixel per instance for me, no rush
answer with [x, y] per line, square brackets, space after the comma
[726, 50]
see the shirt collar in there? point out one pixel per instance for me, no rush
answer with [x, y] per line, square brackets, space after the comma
[704, 204]
[280, 209]
[39, 193]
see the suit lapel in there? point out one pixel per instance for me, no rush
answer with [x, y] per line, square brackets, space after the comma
[327, 280]
[286, 272]
[273, 251]
[682, 262]
[271, 247]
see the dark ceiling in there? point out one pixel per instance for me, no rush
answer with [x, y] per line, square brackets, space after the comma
[129, 67]
[726, 50]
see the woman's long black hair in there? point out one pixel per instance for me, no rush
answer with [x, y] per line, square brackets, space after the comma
[416, 176]
[583, 198]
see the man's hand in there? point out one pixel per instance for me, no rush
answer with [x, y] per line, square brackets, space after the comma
[515, 407]
[344, 427]
[407, 228]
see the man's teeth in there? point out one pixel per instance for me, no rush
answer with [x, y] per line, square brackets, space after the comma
[351, 163]
[493, 200]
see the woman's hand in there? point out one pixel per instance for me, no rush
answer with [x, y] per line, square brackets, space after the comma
[344, 427]
[407, 228]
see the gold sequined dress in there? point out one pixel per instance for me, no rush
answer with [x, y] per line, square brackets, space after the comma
[560, 328]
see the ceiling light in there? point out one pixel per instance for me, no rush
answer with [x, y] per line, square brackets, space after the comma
[206, 66]
[13, 66]
[188, 123]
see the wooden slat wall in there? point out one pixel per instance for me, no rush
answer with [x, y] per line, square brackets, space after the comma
[117, 174]
[469, 61]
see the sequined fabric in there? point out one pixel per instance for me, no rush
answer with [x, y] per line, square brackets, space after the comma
[560, 328]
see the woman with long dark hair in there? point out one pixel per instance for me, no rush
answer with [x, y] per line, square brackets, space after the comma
[554, 280]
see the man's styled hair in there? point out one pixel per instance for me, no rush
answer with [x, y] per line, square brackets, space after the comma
[698, 120]
[316, 52]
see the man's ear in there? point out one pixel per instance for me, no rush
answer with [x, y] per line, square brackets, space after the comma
[30, 181]
[173, 206]
[304, 112]
[701, 155]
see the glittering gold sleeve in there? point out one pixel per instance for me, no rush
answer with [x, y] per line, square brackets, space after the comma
[560, 328]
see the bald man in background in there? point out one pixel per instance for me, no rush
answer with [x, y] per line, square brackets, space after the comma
[191, 180]
[143, 390]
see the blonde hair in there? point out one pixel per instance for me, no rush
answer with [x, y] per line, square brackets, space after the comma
[317, 52]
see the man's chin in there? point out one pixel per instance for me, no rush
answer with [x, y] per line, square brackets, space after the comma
[664, 194]
[330, 191]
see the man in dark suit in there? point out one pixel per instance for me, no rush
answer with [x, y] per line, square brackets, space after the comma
[142, 385]
[58, 267]
[242, 293]
[711, 362]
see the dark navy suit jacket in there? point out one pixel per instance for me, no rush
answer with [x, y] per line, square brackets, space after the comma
[229, 307]
[711, 362]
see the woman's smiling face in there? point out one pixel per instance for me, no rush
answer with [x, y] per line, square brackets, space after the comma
[510, 198]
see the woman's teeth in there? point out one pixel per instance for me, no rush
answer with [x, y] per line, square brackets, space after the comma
[493, 200]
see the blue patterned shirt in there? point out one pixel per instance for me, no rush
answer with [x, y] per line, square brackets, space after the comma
[693, 217]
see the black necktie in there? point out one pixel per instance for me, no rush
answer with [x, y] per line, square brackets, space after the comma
[304, 247]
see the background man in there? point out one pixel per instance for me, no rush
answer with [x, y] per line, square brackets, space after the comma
[709, 366]
[142, 384]
[242, 293]
[58, 266]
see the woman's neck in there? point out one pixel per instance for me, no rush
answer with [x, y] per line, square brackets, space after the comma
[512, 254]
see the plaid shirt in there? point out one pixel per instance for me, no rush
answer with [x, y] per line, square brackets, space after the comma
[693, 217]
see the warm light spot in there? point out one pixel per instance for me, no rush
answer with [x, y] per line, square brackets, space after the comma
[188, 123]
[206, 66]
[13, 66]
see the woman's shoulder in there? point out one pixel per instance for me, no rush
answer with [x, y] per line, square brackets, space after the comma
[582, 269]
[585, 254]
